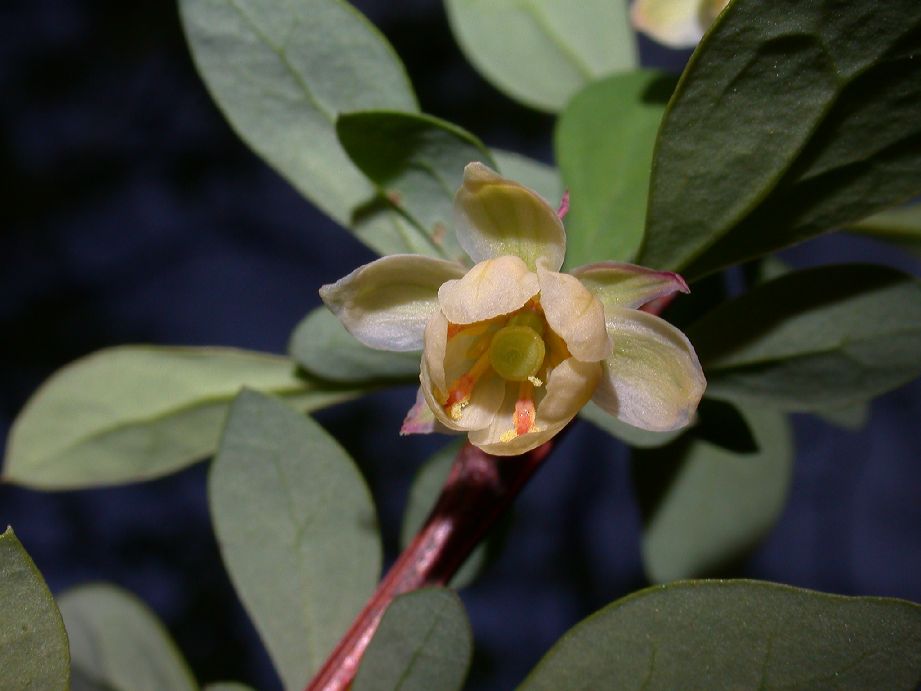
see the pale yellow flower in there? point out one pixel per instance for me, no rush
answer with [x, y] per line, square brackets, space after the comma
[512, 348]
[676, 23]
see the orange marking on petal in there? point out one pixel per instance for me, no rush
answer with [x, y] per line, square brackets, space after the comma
[461, 390]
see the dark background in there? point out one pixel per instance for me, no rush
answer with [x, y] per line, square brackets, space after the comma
[129, 212]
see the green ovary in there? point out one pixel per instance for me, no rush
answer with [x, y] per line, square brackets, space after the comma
[517, 352]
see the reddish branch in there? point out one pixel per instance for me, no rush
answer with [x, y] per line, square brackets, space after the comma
[479, 489]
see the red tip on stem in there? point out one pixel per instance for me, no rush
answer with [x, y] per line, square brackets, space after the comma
[479, 489]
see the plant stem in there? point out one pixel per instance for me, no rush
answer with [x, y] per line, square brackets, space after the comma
[480, 488]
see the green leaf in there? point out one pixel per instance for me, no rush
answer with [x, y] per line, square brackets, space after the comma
[604, 141]
[227, 686]
[704, 506]
[819, 338]
[540, 177]
[423, 494]
[738, 635]
[424, 642]
[33, 642]
[281, 72]
[417, 162]
[297, 531]
[634, 436]
[137, 412]
[118, 644]
[541, 52]
[901, 226]
[322, 346]
[793, 118]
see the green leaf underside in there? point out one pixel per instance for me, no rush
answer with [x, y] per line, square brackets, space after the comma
[704, 506]
[297, 531]
[281, 72]
[541, 52]
[417, 162]
[137, 412]
[423, 494]
[424, 642]
[794, 117]
[604, 142]
[738, 635]
[33, 642]
[322, 346]
[117, 642]
[634, 436]
[824, 337]
[901, 226]
[540, 177]
[227, 686]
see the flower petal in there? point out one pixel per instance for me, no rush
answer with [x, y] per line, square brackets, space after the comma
[420, 419]
[618, 284]
[492, 287]
[494, 217]
[386, 304]
[675, 23]
[569, 387]
[575, 314]
[653, 379]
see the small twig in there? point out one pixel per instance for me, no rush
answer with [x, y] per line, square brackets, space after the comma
[479, 489]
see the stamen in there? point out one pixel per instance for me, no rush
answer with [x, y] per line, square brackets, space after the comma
[525, 412]
[474, 329]
[460, 391]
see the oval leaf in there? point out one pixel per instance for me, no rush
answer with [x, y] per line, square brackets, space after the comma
[417, 162]
[117, 642]
[322, 346]
[136, 412]
[296, 528]
[604, 141]
[793, 118]
[823, 337]
[33, 642]
[424, 642]
[738, 635]
[281, 72]
[541, 52]
[704, 506]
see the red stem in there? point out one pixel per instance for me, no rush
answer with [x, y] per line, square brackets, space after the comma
[479, 489]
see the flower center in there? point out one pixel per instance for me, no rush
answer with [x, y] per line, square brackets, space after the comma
[517, 352]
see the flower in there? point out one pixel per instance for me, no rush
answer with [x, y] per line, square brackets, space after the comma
[512, 348]
[676, 23]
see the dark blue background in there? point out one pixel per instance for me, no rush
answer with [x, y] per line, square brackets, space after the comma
[129, 212]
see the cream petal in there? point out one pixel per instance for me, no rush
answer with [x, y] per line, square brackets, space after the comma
[492, 287]
[569, 388]
[618, 284]
[495, 217]
[653, 379]
[386, 304]
[575, 314]
[480, 411]
[675, 23]
[433, 354]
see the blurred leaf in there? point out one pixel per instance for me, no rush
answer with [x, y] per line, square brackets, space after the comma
[604, 142]
[136, 412]
[541, 52]
[118, 644]
[33, 642]
[793, 118]
[901, 226]
[814, 339]
[227, 686]
[296, 528]
[634, 436]
[424, 642]
[322, 346]
[738, 635]
[849, 417]
[423, 494]
[704, 506]
[540, 177]
[417, 162]
[281, 72]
